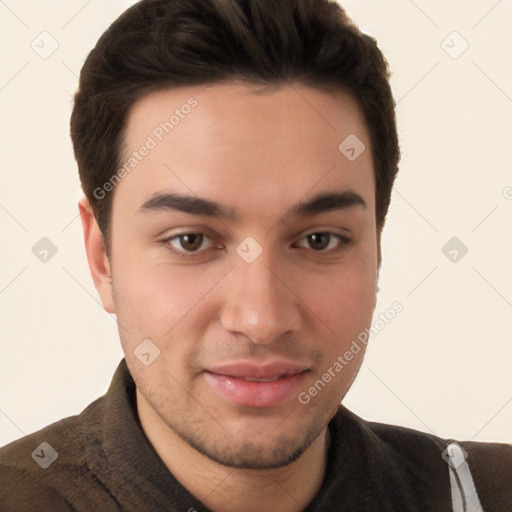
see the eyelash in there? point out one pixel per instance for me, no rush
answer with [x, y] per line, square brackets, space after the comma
[344, 243]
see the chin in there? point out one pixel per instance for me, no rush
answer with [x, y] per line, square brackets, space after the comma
[254, 456]
[263, 452]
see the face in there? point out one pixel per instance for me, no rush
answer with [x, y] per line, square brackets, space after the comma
[244, 247]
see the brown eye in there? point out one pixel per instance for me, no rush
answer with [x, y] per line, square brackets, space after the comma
[187, 244]
[326, 242]
[319, 241]
[191, 241]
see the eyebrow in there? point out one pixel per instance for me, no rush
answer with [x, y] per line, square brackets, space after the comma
[192, 205]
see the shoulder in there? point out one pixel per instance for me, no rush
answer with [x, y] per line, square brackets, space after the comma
[481, 456]
[424, 455]
[38, 471]
[491, 467]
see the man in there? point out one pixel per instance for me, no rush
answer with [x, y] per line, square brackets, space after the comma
[237, 159]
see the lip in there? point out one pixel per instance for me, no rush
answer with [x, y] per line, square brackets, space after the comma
[245, 369]
[281, 381]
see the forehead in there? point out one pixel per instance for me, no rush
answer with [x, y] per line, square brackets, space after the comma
[244, 143]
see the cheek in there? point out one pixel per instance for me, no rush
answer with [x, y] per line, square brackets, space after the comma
[344, 299]
[154, 299]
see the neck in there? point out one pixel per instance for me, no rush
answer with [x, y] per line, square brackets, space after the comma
[225, 489]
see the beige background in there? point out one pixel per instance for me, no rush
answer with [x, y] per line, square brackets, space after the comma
[442, 365]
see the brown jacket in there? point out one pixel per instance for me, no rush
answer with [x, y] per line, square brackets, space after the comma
[100, 460]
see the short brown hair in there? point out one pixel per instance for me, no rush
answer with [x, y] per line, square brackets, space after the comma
[158, 44]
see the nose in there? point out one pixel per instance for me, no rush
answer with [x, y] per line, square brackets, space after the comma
[261, 302]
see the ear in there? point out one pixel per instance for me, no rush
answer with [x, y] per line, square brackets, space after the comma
[99, 263]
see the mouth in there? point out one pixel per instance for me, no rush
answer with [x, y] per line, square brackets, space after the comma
[249, 385]
[255, 379]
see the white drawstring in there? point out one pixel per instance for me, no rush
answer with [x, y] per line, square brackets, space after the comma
[464, 495]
